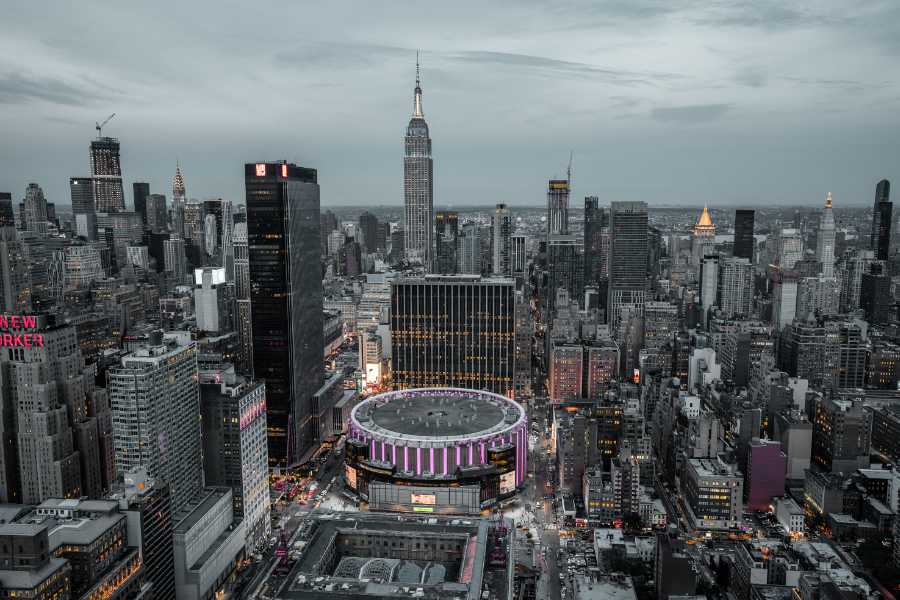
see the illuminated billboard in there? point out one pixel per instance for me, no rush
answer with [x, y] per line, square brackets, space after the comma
[423, 499]
[350, 474]
[508, 482]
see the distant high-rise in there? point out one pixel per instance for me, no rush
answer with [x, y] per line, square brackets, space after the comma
[175, 261]
[141, 191]
[735, 294]
[155, 399]
[564, 267]
[418, 185]
[35, 209]
[7, 214]
[743, 234]
[790, 248]
[446, 226]
[704, 239]
[368, 226]
[881, 220]
[501, 246]
[519, 247]
[465, 339]
[242, 298]
[595, 225]
[825, 239]
[286, 300]
[558, 207]
[628, 248]
[218, 225]
[106, 175]
[179, 198]
[709, 282]
[469, 250]
[82, 196]
[157, 218]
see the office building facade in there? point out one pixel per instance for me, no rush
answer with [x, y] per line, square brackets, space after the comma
[455, 331]
[286, 300]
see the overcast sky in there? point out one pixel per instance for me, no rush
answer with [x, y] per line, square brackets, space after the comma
[670, 102]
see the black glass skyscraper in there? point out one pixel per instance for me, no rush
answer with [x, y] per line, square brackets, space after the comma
[743, 234]
[627, 258]
[446, 225]
[368, 227]
[141, 191]
[881, 220]
[594, 222]
[286, 300]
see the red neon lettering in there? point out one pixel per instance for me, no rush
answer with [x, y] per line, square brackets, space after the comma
[29, 322]
[4, 322]
[7, 339]
[15, 322]
[39, 340]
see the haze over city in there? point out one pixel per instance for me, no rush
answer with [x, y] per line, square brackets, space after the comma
[672, 103]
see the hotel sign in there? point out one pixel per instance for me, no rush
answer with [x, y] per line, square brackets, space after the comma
[20, 339]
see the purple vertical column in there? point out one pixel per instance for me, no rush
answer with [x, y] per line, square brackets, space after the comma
[418, 461]
[458, 455]
[394, 454]
[383, 457]
[372, 453]
[406, 458]
[446, 468]
[471, 452]
[431, 453]
[483, 454]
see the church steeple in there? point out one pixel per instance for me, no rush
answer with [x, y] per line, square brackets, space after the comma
[417, 103]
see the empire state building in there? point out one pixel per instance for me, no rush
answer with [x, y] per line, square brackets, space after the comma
[418, 186]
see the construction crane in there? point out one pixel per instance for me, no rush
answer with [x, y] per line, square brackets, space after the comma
[99, 126]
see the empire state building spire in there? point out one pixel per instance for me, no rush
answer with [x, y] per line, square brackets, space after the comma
[417, 102]
[418, 185]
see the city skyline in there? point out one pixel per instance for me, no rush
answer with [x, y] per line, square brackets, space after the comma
[713, 119]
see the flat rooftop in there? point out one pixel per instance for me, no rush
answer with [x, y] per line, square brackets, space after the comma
[454, 413]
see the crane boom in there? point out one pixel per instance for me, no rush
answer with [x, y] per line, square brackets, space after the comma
[99, 126]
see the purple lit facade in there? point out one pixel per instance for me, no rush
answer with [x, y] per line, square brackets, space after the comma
[766, 467]
[436, 457]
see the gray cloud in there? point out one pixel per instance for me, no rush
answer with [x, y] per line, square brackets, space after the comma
[699, 113]
[16, 88]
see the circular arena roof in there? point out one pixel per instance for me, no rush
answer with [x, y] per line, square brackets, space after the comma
[437, 413]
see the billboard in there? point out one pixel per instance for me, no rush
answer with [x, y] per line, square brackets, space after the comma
[508, 482]
[350, 474]
[423, 499]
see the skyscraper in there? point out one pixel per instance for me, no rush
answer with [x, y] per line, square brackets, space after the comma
[464, 339]
[56, 412]
[558, 207]
[15, 276]
[82, 196]
[704, 238]
[594, 225]
[368, 226]
[469, 250]
[418, 185]
[790, 248]
[501, 246]
[627, 258]
[157, 218]
[242, 298]
[155, 399]
[175, 262]
[881, 220]
[709, 282]
[286, 300]
[519, 247]
[735, 295]
[106, 175]
[825, 239]
[743, 234]
[446, 226]
[141, 191]
[35, 209]
[179, 198]
[218, 224]
[7, 214]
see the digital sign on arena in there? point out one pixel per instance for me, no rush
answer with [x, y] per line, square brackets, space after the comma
[17, 338]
